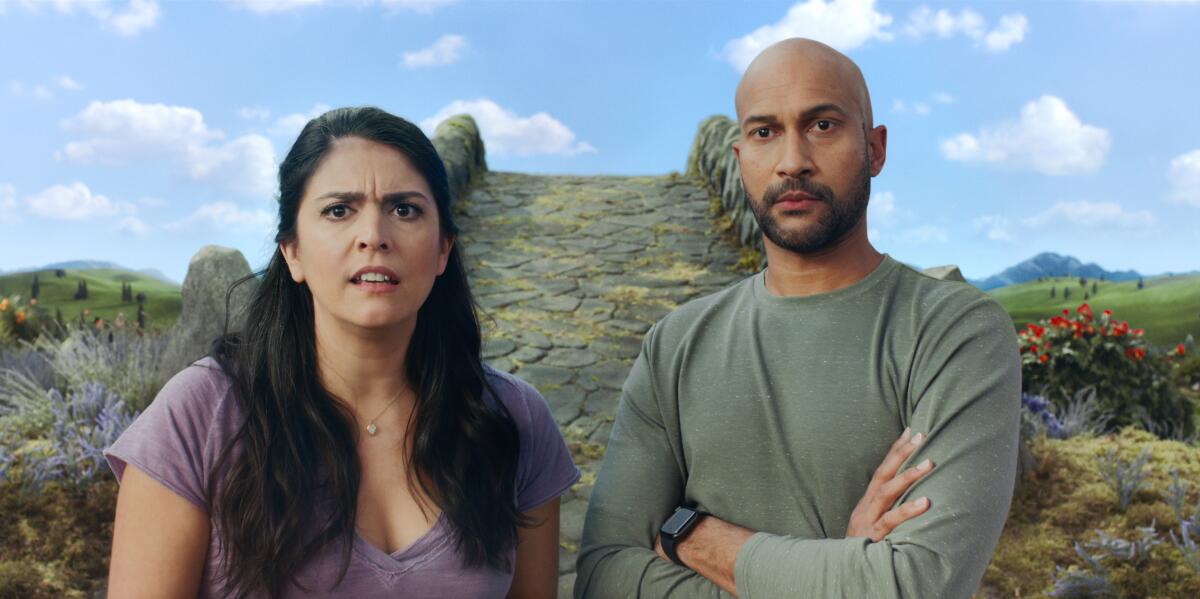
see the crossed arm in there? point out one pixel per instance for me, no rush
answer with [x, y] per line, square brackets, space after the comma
[967, 404]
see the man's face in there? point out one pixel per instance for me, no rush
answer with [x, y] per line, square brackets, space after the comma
[805, 152]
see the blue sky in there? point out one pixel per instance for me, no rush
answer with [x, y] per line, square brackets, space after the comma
[138, 131]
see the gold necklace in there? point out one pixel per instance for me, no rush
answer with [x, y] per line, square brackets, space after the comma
[371, 428]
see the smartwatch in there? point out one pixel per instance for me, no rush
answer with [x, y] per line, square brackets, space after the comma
[676, 528]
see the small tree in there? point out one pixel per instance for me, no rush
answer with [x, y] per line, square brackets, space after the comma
[1095, 288]
[1053, 292]
[1066, 293]
[1082, 282]
[1141, 284]
[33, 292]
[60, 273]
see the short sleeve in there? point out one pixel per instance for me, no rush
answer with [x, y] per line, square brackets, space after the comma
[544, 468]
[174, 440]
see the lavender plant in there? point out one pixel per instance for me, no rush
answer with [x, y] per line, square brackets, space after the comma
[27, 361]
[1075, 583]
[1177, 498]
[1126, 478]
[84, 423]
[125, 362]
[1187, 545]
[1134, 552]
[1081, 415]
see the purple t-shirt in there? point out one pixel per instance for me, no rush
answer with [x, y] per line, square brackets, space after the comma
[177, 440]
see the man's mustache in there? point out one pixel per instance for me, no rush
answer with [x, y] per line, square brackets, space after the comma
[816, 190]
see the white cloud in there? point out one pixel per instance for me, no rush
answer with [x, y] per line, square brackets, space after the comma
[265, 7]
[152, 202]
[843, 24]
[124, 18]
[254, 113]
[68, 83]
[921, 108]
[8, 203]
[899, 106]
[1047, 138]
[288, 126]
[37, 92]
[993, 226]
[132, 225]
[446, 50]
[1010, 30]
[70, 202]
[881, 210]
[506, 134]
[125, 131]
[228, 217]
[1185, 179]
[924, 234]
[1091, 215]
[944, 98]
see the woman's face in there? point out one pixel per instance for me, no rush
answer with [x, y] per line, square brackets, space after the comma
[368, 242]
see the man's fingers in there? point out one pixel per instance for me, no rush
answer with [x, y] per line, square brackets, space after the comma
[897, 516]
[900, 450]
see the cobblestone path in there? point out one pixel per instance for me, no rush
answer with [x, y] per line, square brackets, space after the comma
[570, 273]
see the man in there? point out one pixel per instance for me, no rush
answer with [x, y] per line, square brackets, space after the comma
[768, 405]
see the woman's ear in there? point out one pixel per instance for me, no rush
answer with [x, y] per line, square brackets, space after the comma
[291, 256]
[444, 256]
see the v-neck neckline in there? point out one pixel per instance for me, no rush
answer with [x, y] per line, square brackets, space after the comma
[429, 545]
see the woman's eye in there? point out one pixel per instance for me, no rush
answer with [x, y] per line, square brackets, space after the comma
[337, 211]
[406, 210]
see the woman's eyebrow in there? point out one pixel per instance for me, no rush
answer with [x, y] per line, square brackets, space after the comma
[358, 196]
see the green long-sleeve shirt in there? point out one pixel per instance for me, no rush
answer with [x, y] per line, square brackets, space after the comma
[772, 413]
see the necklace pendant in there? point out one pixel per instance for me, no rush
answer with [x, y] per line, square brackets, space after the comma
[372, 429]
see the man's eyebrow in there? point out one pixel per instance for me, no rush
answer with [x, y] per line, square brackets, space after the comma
[760, 119]
[358, 196]
[821, 108]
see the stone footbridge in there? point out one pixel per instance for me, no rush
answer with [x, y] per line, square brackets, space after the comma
[570, 273]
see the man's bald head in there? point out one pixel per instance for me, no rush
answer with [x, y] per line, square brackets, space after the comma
[804, 62]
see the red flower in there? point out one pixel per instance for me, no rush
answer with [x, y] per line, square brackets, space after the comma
[20, 316]
[1139, 333]
[1042, 359]
[1085, 311]
[1107, 312]
[1135, 353]
[1066, 312]
[1179, 349]
[1032, 348]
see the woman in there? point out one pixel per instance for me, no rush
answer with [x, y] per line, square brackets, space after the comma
[349, 442]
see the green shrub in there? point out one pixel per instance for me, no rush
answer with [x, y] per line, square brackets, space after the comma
[1133, 381]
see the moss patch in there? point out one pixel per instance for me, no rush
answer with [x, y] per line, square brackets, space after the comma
[1065, 500]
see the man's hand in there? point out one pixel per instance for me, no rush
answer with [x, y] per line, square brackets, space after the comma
[874, 516]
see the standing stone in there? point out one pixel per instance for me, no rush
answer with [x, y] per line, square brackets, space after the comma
[211, 273]
[949, 272]
[460, 147]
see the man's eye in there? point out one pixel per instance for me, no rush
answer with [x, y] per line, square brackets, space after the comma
[824, 125]
[761, 132]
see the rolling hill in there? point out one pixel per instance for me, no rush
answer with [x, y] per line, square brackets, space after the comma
[104, 294]
[1049, 264]
[1168, 307]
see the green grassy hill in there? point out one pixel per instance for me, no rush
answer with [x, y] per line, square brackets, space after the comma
[1168, 307]
[104, 295]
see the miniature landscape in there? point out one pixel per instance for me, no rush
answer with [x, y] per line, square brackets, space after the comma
[569, 272]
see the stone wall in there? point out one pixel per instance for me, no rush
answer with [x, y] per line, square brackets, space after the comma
[712, 162]
[458, 143]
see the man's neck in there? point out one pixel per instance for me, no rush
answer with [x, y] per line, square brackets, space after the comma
[844, 263]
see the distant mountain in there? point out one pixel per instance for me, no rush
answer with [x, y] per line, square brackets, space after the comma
[95, 264]
[1049, 264]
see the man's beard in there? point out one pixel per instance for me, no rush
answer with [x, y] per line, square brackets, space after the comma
[831, 226]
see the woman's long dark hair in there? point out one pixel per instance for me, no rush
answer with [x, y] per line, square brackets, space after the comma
[297, 438]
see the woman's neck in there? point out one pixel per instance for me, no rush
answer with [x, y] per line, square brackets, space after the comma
[364, 367]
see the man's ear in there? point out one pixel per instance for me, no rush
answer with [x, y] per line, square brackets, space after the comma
[737, 150]
[444, 256]
[290, 252]
[877, 148]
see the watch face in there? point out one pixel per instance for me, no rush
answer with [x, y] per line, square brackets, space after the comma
[678, 521]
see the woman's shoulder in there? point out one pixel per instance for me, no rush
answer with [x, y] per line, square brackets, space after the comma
[198, 392]
[518, 397]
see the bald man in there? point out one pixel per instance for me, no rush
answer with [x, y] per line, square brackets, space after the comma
[754, 452]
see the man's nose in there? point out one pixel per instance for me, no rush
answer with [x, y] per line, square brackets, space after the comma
[796, 161]
[373, 232]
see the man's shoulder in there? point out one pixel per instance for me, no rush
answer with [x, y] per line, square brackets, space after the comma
[943, 304]
[704, 309]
